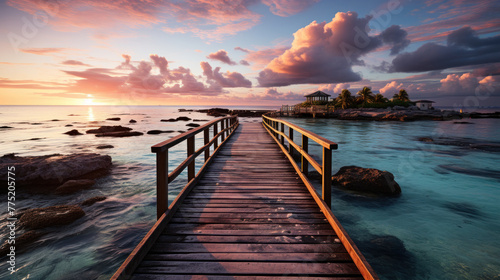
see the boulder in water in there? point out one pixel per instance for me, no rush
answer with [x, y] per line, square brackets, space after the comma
[107, 128]
[113, 119]
[72, 186]
[73, 132]
[119, 134]
[92, 200]
[368, 180]
[38, 218]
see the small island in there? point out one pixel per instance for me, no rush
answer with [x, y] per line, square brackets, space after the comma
[369, 106]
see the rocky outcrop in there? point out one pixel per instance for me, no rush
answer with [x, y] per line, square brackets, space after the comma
[107, 129]
[72, 186]
[38, 218]
[132, 121]
[92, 200]
[192, 125]
[53, 170]
[113, 119]
[366, 180]
[73, 132]
[183, 119]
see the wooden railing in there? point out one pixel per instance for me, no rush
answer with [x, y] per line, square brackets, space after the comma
[276, 128]
[163, 178]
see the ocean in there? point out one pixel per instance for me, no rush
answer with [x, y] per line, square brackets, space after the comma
[445, 225]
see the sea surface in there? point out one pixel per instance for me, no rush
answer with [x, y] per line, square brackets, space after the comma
[445, 225]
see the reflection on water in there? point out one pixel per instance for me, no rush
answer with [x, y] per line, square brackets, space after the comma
[90, 115]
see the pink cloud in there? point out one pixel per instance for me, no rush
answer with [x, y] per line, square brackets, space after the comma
[229, 79]
[333, 88]
[241, 49]
[261, 58]
[322, 53]
[222, 56]
[274, 94]
[288, 7]
[44, 51]
[391, 88]
[244, 62]
[74, 63]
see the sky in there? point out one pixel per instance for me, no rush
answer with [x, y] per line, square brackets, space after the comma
[246, 52]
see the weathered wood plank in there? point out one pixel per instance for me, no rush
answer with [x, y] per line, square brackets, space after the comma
[252, 268]
[206, 220]
[299, 239]
[225, 277]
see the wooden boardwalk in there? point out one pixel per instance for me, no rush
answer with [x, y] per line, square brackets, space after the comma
[249, 216]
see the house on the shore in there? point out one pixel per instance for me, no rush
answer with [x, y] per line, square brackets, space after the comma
[424, 104]
[317, 96]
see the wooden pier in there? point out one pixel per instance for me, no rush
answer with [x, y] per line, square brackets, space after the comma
[249, 213]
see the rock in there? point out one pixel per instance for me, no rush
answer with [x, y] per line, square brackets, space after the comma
[154, 131]
[113, 119]
[36, 123]
[463, 123]
[132, 121]
[425, 139]
[183, 119]
[192, 125]
[52, 170]
[169, 120]
[5, 126]
[389, 245]
[92, 200]
[185, 110]
[72, 186]
[68, 125]
[106, 129]
[399, 108]
[119, 134]
[199, 120]
[180, 131]
[368, 180]
[21, 241]
[105, 147]
[73, 132]
[55, 120]
[50, 216]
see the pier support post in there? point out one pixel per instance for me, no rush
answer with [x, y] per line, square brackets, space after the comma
[326, 184]
[190, 151]
[304, 164]
[161, 183]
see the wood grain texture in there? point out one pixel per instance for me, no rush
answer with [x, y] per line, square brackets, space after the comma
[250, 216]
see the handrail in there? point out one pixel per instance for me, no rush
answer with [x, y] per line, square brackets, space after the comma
[163, 178]
[276, 128]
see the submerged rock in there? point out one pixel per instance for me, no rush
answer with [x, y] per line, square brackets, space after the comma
[132, 121]
[106, 129]
[73, 132]
[120, 134]
[154, 131]
[68, 125]
[183, 119]
[367, 180]
[192, 125]
[200, 120]
[105, 147]
[22, 241]
[50, 216]
[169, 120]
[52, 170]
[92, 200]
[113, 119]
[5, 126]
[72, 186]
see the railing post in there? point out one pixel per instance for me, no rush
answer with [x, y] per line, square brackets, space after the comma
[216, 130]
[190, 151]
[161, 183]
[304, 164]
[282, 129]
[223, 135]
[326, 184]
[290, 147]
[206, 139]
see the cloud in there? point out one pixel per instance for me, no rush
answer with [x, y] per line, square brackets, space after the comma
[458, 84]
[241, 49]
[229, 79]
[286, 8]
[391, 88]
[395, 37]
[43, 51]
[334, 88]
[273, 94]
[463, 47]
[221, 55]
[244, 62]
[74, 63]
[322, 53]
[261, 58]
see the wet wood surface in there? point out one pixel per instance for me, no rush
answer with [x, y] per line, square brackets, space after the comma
[249, 217]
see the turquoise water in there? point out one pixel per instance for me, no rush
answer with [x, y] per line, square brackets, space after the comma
[448, 221]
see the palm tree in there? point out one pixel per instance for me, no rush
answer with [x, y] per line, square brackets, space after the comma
[345, 99]
[402, 95]
[366, 95]
[379, 98]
